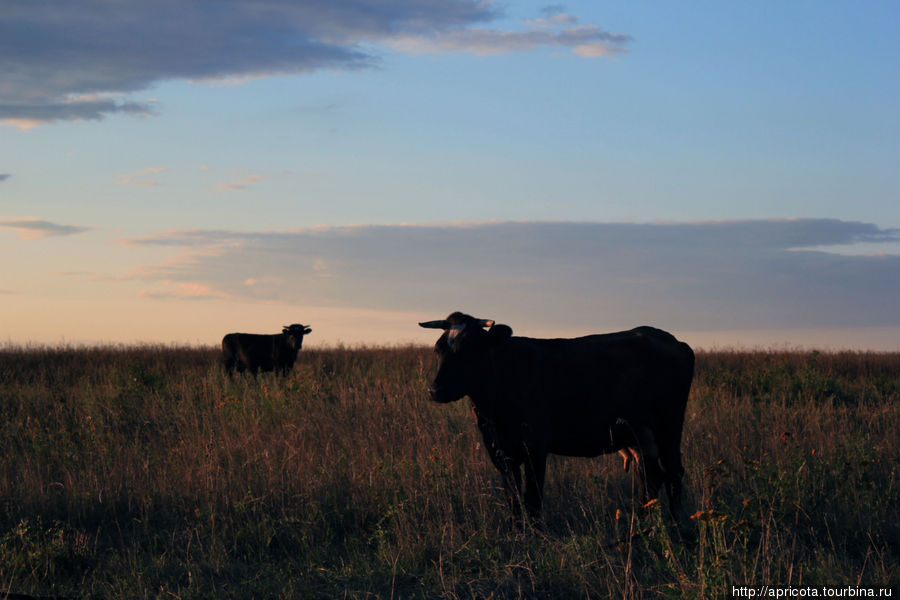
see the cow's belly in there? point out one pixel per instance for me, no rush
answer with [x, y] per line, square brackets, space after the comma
[586, 448]
[588, 437]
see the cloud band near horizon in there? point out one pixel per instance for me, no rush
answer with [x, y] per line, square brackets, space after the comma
[591, 276]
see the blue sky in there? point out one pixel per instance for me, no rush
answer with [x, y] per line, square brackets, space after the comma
[172, 171]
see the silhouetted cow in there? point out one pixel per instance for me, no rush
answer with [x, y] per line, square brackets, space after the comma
[620, 392]
[253, 352]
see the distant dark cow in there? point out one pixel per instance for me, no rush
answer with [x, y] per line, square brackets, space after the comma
[620, 392]
[253, 352]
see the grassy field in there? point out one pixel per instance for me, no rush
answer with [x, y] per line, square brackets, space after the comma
[145, 473]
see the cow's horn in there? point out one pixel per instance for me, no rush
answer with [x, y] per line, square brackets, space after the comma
[486, 322]
[439, 324]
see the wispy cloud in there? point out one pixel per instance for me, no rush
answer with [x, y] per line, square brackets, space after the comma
[587, 41]
[84, 59]
[240, 183]
[553, 16]
[555, 29]
[4, 176]
[182, 291]
[32, 228]
[144, 177]
[700, 276]
[242, 179]
[26, 114]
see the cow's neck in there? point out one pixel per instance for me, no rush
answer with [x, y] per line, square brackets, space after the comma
[484, 393]
[488, 429]
[483, 398]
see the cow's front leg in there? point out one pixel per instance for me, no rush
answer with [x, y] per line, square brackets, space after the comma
[512, 486]
[535, 468]
[511, 475]
[508, 466]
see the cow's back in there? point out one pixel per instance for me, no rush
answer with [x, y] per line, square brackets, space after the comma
[249, 350]
[578, 385]
[600, 359]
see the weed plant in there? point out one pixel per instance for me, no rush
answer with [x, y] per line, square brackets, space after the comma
[144, 472]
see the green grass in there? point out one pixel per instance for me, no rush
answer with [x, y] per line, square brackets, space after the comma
[143, 472]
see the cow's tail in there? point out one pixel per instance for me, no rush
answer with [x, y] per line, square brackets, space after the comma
[229, 358]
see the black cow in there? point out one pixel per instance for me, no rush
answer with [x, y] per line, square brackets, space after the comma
[620, 392]
[253, 352]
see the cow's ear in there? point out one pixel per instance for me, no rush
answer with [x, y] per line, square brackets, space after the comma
[498, 334]
[307, 330]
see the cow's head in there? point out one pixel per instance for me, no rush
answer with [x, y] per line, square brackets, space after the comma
[294, 335]
[463, 352]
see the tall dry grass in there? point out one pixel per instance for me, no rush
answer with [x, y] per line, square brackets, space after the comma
[143, 472]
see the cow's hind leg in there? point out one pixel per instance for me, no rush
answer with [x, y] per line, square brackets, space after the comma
[649, 472]
[673, 472]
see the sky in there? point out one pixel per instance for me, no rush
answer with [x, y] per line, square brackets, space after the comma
[173, 171]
